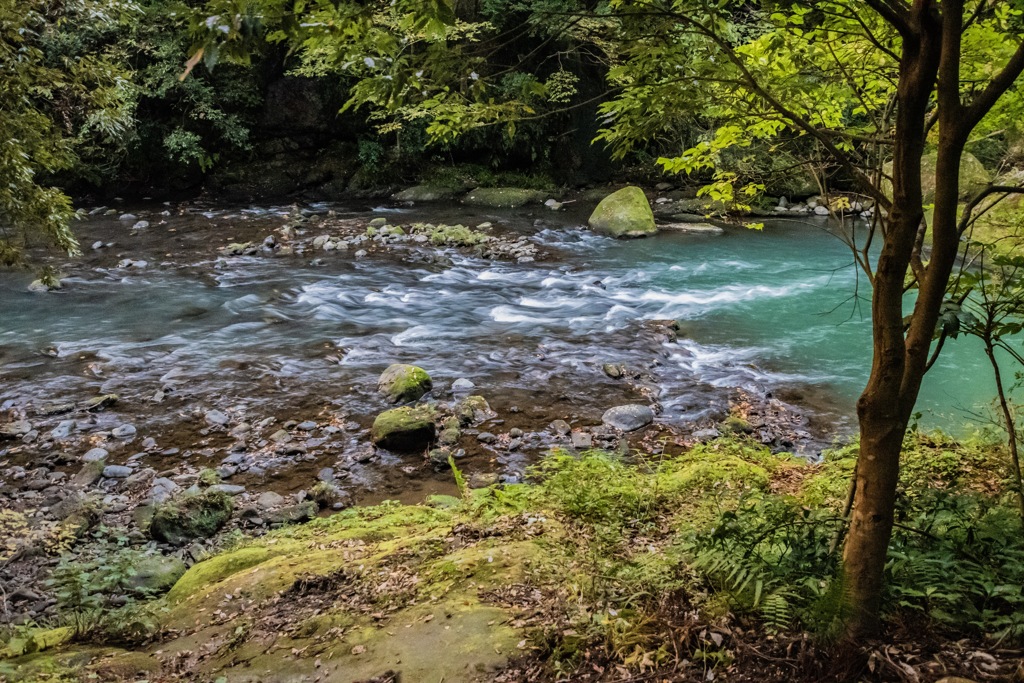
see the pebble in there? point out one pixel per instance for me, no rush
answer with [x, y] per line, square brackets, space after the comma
[117, 471]
[486, 437]
[98, 244]
[306, 426]
[141, 225]
[95, 455]
[326, 474]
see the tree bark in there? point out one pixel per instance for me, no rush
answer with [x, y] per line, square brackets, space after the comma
[885, 406]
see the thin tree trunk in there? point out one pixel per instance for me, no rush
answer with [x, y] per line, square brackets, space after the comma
[885, 406]
[1011, 425]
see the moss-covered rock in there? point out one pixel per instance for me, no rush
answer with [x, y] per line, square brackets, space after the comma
[189, 517]
[425, 193]
[974, 177]
[472, 410]
[406, 429]
[504, 197]
[404, 383]
[156, 574]
[625, 213]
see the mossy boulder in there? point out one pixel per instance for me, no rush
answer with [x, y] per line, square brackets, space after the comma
[425, 193]
[156, 574]
[405, 430]
[187, 518]
[625, 213]
[504, 197]
[974, 177]
[404, 383]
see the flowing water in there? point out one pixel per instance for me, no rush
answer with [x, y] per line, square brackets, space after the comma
[774, 312]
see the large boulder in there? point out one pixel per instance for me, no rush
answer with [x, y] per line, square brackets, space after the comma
[503, 197]
[404, 383]
[625, 213]
[973, 176]
[405, 430]
[190, 517]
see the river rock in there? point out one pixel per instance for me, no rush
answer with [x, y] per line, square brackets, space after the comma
[63, 430]
[41, 287]
[424, 193]
[625, 213]
[216, 418]
[15, 430]
[90, 473]
[156, 574]
[141, 225]
[582, 440]
[117, 472]
[124, 431]
[229, 489]
[95, 455]
[100, 402]
[628, 418]
[473, 410]
[293, 514]
[189, 517]
[269, 500]
[403, 383]
[560, 427]
[462, 384]
[406, 429]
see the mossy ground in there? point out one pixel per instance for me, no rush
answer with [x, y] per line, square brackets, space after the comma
[589, 571]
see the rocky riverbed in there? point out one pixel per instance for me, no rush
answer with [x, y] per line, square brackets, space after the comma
[232, 374]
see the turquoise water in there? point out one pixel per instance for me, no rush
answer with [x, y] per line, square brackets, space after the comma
[789, 300]
[778, 311]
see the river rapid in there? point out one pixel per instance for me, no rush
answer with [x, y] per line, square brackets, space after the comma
[774, 319]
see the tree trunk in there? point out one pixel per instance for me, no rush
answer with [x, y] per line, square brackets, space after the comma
[886, 404]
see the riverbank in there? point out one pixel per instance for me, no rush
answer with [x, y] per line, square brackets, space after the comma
[671, 568]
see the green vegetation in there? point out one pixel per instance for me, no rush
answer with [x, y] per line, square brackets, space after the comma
[605, 554]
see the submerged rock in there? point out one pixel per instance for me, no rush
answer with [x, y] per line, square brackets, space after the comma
[406, 429]
[404, 383]
[628, 418]
[625, 213]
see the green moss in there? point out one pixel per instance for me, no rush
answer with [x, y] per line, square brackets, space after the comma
[187, 518]
[404, 383]
[625, 213]
[219, 567]
[410, 428]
